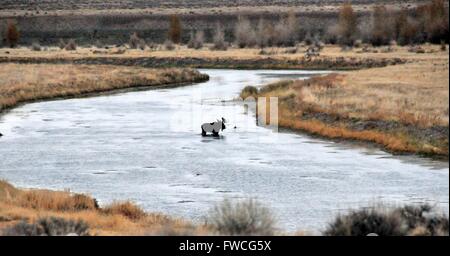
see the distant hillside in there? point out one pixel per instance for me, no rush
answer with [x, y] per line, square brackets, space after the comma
[141, 4]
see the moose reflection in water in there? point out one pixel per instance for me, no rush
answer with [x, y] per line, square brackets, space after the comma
[213, 127]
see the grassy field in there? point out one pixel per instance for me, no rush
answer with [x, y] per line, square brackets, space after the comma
[21, 83]
[402, 107]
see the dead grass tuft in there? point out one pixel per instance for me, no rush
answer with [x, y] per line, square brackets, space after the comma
[127, 209]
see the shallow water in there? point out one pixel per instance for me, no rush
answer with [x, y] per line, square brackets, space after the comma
[146, 146]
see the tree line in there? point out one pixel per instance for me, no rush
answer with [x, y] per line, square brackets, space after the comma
[426, 23]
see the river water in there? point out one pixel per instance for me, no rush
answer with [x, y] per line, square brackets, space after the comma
[146, 146]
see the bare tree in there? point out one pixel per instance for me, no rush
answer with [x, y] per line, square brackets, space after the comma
[174, 33]
[348, 25]
[12, 34]
[244, 34]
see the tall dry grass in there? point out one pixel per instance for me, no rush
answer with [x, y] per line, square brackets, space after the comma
[118, 218]
[413, 96]
[29, 82]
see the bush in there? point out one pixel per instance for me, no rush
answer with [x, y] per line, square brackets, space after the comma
[348, 25]
[381, 31]
[71, 45]
[248, 91]
[174, 33]
[98, 44]
[435, 21]
[44, 200]
[142, 44]
[35, 46]
[196, 40]
[61, 44]
[242, 218]
[408, 32]
[51, 226]
[169, 45]
[219, 39]
[134, 41]
[264, 34]
[12, 34]
[407, 220]
[286, 31]
[244, 34]
[126, 209]
[332, 34]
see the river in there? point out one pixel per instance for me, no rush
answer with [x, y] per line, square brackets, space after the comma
[146, 146]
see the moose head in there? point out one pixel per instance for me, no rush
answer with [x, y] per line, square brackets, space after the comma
[223, 123]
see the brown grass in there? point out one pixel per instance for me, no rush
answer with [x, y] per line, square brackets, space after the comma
[119, 218]
[329, 51]
[28, 82]
[414, 95]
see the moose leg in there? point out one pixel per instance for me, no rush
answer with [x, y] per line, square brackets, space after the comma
[215, 133]
[203, 132]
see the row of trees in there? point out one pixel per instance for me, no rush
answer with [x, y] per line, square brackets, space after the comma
[427, 23]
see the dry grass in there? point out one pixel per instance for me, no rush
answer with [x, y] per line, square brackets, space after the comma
[329, 51]
[28, 82]
[124, 218]
[414, 95]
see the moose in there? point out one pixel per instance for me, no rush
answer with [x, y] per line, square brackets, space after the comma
[213, 127]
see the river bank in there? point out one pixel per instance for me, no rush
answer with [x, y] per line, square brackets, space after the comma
[402, 108]
[22, 83]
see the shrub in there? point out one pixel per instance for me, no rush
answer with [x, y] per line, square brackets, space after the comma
[248, 91]
[134, 41]
[142, 44]
[219, 39]
[286, 30]
[127, 209]
[408, 31]
[263, 36]
[246, 217]
[244, 34]
[196, 40]
[435, 21]
[51, 226]
[71, 45]
[61, 44]
[98, 44]
[381, 32]
[169, 45]
[443, 46]
[348, 25]
[45, 200]
[35, 46]
[407, 220]
[12, 34]
[332, 34]
[174, 33]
